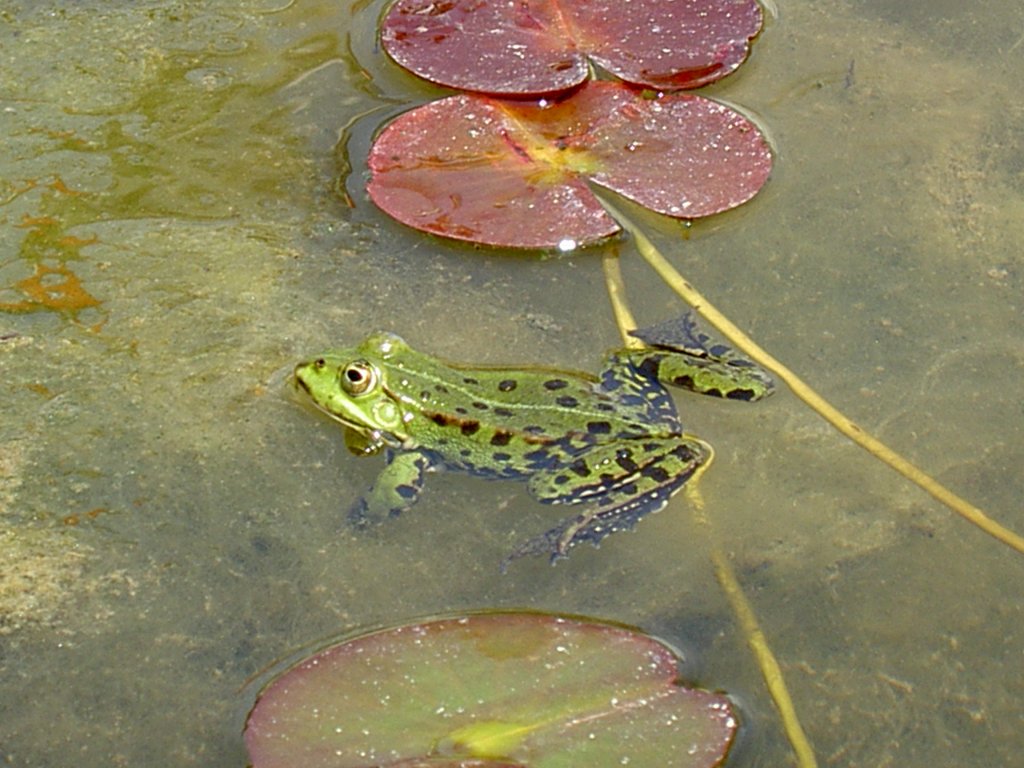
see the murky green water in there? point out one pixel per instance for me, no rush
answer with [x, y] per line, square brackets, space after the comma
[172, 240]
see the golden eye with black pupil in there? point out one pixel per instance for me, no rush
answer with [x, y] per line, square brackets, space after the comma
[357, 378]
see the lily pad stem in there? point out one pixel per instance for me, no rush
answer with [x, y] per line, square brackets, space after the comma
[617, 296]
[817, 403]
[766, 661]
[770, 669]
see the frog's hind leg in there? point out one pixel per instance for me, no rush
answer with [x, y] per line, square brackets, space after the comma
[684, 356]
[396, 489]
[651, 481]
[631, 386]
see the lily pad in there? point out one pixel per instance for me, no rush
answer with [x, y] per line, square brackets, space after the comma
[493, 689]
[515, 174]
[534, 47]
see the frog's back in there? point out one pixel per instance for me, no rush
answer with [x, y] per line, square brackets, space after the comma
[511, 422]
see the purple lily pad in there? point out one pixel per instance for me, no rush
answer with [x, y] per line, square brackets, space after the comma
[512, 689]
[535, 47]
[515, 174]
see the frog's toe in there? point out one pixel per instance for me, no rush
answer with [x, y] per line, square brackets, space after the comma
[365, 514]
[547, 543]
[604, 521]
[594, 525]
[588, 526]
[359, 516]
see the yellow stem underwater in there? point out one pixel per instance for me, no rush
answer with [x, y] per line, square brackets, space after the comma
[833, 416]
[770, 669]
[617, 295]
[758, 644]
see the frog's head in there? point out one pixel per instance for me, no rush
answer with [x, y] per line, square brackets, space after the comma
[351, 387]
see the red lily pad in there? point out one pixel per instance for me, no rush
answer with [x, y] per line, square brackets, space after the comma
[515, 174]
[534, 47]
[511, 689]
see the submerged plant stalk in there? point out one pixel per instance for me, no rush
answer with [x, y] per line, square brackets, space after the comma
[817, 403]
[770, 669]
[766, 661]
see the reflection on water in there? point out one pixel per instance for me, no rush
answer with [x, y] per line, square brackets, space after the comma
[172, 240]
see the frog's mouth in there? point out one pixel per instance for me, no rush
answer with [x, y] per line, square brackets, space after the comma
[360, 437]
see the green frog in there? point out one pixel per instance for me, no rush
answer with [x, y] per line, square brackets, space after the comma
[611, 445]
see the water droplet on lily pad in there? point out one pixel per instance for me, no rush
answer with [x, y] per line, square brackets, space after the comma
[498, 689]
[515, 174]
[533, 47]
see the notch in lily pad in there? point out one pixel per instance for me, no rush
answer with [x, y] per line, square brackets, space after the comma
[500, 689]
[542, 47]
[516, 174]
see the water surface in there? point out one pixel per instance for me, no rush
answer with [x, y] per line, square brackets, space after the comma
[172, 239]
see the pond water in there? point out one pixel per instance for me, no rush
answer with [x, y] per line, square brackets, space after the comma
[175, 236]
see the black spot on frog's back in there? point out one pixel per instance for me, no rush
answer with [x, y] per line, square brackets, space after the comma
[501, 437]
[555, 384]
[741, 393]
[538, 459]
[610, 380]
[656, 473]
[406, 491]
[507, 385]
[580, 468]
[624, 460]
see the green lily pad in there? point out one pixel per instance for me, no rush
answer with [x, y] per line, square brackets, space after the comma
[509, 689]
[515, 174]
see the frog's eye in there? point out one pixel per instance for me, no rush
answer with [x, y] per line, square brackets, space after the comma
[357, 378]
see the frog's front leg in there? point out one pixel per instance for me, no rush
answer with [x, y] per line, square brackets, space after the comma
[626, 480]
[396, 488]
